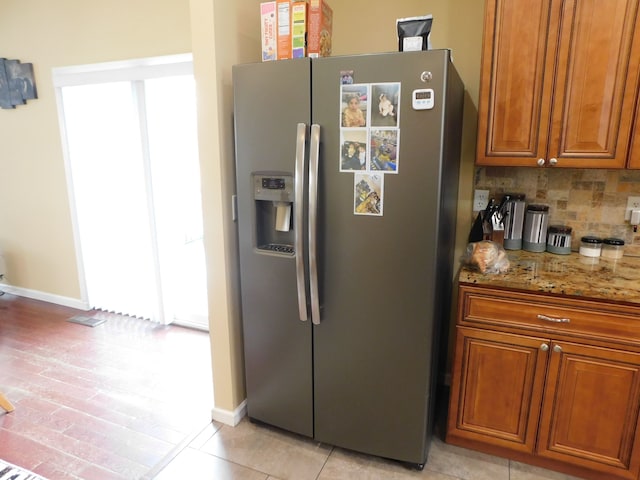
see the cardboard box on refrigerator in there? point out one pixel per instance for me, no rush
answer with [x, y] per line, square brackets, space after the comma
[268, 27]
[284, 28]
[320, 28]
[299, 29]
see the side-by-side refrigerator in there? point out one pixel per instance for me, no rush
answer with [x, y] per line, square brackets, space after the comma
[347, 180]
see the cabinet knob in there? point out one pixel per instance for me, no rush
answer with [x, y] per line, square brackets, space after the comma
[540, 162]
[544, 347]
[557, 348]
[553, 161]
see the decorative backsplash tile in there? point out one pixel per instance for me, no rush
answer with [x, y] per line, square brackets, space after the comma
[591, 202]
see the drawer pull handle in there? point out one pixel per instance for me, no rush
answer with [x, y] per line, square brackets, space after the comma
[557, 348]
[553, 319]
[544, 347]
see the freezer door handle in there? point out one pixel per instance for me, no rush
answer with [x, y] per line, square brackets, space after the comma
[314, 155]
[301, 139]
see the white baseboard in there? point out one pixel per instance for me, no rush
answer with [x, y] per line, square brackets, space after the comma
[45, 297]
[231, 418]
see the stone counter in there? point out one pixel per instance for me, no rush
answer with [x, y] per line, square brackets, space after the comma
[572, 275]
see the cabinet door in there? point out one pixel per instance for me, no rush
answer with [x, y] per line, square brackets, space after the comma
[595, 85]
[497, 388]
[634, 153]
[558, 83]
[590, 412]
[516, 82]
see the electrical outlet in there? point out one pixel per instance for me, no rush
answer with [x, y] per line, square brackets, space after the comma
[633, 203]
[481, 200]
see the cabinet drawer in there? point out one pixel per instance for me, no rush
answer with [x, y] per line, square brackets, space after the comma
[540, 313]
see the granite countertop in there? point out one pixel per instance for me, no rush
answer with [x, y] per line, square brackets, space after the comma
[573, 275]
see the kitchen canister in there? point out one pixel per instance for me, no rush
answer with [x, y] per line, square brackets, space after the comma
[534, 235]
[559, 239]
[514, 220]
[590, 246]
[612, 248]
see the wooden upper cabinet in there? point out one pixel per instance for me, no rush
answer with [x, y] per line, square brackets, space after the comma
[558, 83]
[634, 154]
[513, 86]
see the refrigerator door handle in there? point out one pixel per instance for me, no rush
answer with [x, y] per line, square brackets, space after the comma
[301, 139]
[314, 155]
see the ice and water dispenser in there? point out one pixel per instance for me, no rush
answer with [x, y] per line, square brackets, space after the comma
[273, 195]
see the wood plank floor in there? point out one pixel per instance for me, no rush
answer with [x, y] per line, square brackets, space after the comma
[114, 401]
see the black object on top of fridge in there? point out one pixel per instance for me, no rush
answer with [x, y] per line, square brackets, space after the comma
[347, 179]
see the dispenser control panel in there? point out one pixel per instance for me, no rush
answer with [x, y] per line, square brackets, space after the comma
[277, 188]
[271, 183]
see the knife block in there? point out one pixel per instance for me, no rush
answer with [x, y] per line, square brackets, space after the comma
[491, 230]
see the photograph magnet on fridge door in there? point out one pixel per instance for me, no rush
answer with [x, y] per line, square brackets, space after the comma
[385, 104]
[354, 107]
[368, 194]
[383, 146]
[346, 77]
[353, 149]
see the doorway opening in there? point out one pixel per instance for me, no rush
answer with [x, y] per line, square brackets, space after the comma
[129, 132]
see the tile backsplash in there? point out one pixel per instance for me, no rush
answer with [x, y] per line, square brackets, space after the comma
[591, 202]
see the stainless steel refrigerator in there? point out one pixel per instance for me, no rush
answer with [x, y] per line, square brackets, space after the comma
[346, 226]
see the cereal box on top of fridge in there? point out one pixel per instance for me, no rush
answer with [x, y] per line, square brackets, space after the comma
[320, 27]
[284, 29]
[268, 27]
[299, 29]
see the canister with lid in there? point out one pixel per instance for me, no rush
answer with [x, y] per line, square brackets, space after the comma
[590, 246]
[514, 220]
[559, 239]
[612, 248]
[534, 236]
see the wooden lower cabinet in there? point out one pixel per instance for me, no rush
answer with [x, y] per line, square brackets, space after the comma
[547, 398]
[590, 411]
[498, 382]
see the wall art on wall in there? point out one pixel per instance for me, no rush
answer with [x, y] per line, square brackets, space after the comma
[16, 83]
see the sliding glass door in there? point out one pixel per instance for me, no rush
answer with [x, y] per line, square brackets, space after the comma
[133, 169]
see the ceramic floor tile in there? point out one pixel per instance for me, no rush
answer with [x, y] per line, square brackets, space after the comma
[465, 464]
[286, 456]
[191, 463]
[345, 465]
[521, 471]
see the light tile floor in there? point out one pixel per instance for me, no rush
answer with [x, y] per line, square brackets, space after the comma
[256, 452]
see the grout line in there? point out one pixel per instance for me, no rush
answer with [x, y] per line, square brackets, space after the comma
[173, 453]
[333, 449]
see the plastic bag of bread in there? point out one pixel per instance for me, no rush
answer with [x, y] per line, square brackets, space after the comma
[486, 256]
